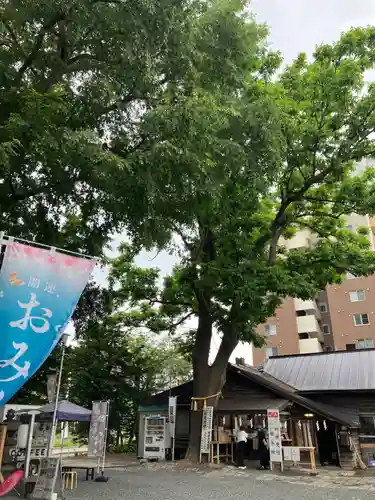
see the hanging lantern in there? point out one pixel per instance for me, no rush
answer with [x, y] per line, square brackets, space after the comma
[317, 426]
[325, 425]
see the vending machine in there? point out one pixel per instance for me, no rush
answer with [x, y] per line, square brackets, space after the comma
[156, 440]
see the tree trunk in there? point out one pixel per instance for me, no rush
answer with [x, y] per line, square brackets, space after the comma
[208, 380]
[133, 431]
[194, 436]
[205, 387]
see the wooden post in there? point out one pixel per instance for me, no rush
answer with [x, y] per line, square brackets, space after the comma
[312, 460]
[3, 433]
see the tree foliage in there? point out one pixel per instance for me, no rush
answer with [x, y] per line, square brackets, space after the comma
[256, 164]
[93, 306]
[73, 74]
[115, 364]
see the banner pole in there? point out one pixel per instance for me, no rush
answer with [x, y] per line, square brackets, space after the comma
[11, 239]
[105, 437]
[64, 339]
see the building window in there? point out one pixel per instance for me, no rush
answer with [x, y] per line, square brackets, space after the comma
[357, 296]
[323, 307]
[270, 329]
[301, 313]
[271, 351]
[367, 424]
[365, 344]
[361, 319]
[326, 329]
[350, 347]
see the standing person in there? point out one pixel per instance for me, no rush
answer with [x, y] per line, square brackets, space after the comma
[241, 440]
[263, 450]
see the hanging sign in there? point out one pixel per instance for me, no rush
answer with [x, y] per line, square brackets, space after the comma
[51, 387]
[274, 436]
[98, 429]
[39, 290]
[207, 418]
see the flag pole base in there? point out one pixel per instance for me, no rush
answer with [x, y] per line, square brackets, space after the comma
[101, 479]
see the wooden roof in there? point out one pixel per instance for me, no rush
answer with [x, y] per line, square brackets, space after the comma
[264, 392]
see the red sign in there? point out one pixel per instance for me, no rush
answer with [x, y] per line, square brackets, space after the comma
[273, 414]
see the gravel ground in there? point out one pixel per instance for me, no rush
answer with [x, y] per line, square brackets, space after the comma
[152, 484]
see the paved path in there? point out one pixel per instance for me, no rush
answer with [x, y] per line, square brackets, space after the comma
[153, 483]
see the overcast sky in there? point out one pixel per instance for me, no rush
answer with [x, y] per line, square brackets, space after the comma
[295, 26]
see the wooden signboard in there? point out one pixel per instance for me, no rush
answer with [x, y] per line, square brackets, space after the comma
[49, 480]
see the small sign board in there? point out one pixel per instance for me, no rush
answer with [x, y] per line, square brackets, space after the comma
[274, 436]
[18, 454]
[49, 480]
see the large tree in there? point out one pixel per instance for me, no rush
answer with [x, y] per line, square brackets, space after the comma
[256, 164]
[79, 81]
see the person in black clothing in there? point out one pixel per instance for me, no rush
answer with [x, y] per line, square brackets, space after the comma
[263, 450]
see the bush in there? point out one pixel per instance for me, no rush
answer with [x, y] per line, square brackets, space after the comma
[125, 448]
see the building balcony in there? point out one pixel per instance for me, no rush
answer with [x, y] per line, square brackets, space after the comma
[302, 239]
[309, 324]
[308, 306]
[310, 345]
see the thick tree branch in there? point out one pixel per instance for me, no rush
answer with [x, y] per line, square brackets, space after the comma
[280, 220]
[168, 302]
[184, 239]
[59, 16]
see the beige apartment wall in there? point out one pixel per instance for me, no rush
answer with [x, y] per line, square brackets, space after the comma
[341, 311]
[301, 239]
[286, 338]
[357, 221]
[309, 345]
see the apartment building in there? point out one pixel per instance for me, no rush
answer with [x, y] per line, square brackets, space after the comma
[341, 317]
